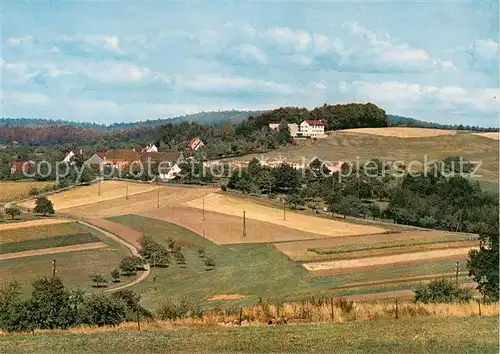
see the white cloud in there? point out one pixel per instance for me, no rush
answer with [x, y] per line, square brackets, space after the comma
[388, 53]
[228, 83]
[28, 98]
[321, 85]
[408, 96]
[487, 48]
[251, 52]
[118, 72]
[289, 38]
[109, 43]
[16, 41]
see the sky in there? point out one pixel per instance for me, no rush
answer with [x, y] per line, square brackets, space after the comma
[129, 61]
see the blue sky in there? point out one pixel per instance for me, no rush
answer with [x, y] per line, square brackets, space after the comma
[129, 61]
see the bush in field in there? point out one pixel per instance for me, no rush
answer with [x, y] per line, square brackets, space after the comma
[209, 262]
[130, 264]
[169, 310]
[102, 310]
[33, 191]
[99, 280]
[13, 212]
[442, 290]
[44, 206]
[201, 252]
[115, 275]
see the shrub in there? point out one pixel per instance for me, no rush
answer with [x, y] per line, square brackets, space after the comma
[13, 212]
[223, 187]
[115, 275]
[169, 310]
[130, 264]
[209, 262]
[102, 310]
[201, 252]
[33, 191]
[442, 290]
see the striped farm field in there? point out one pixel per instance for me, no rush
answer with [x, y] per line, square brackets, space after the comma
[10, 191]
[323, 227]
[48, 242]
[94, 193]
[32, 223]
[34, 231]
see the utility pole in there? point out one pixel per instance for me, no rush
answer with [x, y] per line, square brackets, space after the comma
[158, 197]
[99, 187]
[203, 208]
[244, 224]
[126, 193]
[457, 270]
[284, 210]
[53, 268]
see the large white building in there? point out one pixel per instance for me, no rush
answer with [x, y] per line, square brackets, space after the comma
[312, 128]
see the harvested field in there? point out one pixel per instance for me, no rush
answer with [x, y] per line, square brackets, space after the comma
[127, 234]
[234, 206]
[227, 229]
[495, 136]
[37, 232]
[402, 132]
[32, 223]
[48, 242]
[54, 250]
[90, 194]
[374, 262]
[298, 250]
[226, 297]
[139, 202]
[10, 191]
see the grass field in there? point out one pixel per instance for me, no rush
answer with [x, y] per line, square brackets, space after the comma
[240, 268]
[29, 231]
[10, 191]
[402, 132]
[413, 335]
[348, 146]
[73, 267]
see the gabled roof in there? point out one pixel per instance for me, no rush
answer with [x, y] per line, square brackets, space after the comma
[316, 123]
[102, 155]
[123, 154]
[171, 156]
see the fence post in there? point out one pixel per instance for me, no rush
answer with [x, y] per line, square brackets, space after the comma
[331, 309]
[241, 315]
[397, 311]
[479, 305]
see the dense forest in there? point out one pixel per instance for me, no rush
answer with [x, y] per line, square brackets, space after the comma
[398, 121]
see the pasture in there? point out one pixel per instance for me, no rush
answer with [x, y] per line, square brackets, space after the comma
[402, 132]
[10, 191]
[409, 335]
[352, 146]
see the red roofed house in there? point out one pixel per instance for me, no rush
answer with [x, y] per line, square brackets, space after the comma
[98, 159]
[195, 144]
[17, 167]
[312, 128]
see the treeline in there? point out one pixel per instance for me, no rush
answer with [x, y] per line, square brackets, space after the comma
[398, 121]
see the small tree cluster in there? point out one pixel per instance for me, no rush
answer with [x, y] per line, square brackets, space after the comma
[442, 290]
[129, 265]
[43, 206]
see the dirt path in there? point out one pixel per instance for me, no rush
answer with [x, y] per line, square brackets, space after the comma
[132, 249]
[53, 250]
[385, 260]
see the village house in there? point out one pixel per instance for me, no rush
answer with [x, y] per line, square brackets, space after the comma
[150, 148]
[17, 167]
[312, 128]
[195, 143]
[72, 155]
[98, 159]
[121, 158]
[166, 163]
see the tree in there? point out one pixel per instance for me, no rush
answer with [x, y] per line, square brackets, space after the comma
[13, 212]
[201, 252]
[442, 290]
[115, 275]
[209, 262]
[375, 211]
[293, 200]
[99, 280]
[129, 265]
[483, 264]
[102, 310]
[43, 206]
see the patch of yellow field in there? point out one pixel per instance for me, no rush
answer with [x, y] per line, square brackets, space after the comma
[493, 135]
[31, 223]
[90, 194]
[10, 191]
[322, 226]
[387, 260]
[402, 132]
[226, 297]
[37, 232]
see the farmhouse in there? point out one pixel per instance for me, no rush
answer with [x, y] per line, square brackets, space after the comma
[195, 143]
[293, 128]
[167, 163]
[312, 128]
